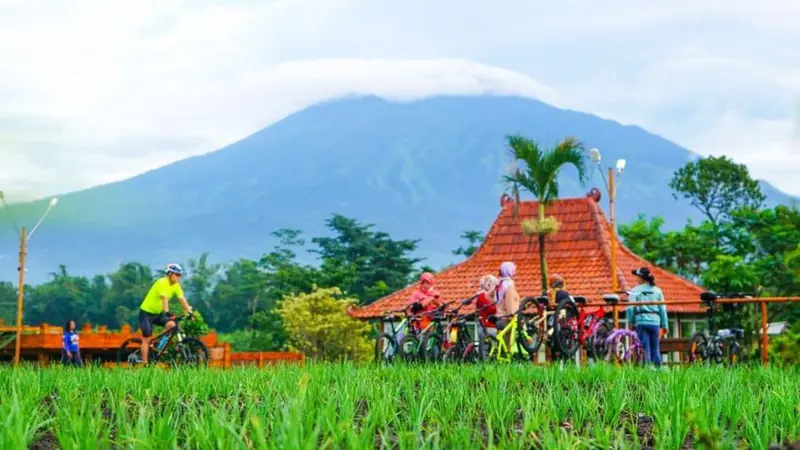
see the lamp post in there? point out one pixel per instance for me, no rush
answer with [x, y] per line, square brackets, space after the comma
[611, 187]
[24, 238]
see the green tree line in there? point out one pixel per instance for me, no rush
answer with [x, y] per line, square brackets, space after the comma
[741, 245]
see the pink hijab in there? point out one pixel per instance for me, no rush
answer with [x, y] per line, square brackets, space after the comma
[507, 271]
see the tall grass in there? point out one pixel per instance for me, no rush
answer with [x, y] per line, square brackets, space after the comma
[404, 407]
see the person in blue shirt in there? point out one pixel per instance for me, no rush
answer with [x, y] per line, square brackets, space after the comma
[71, 350]
[648, 320]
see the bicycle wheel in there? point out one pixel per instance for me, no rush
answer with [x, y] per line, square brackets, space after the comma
[191, 352]
[490, 348]
[596, 346]
[566, 328]
[409, 348]
[456, 353]
[530, 321]
[698, 348]
[130, 352]
[385, 348]
[734, 353]
[432, 350]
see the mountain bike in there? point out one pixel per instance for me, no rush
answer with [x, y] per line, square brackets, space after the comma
[574, 327]
[387, 344]
[462, 345]
[719, 345]
[513, 343]
[414, 344]
[187, 350]
[536, 317]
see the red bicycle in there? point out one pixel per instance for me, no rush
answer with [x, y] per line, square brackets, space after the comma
[574, 327]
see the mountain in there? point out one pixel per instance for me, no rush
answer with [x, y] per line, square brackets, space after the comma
[427, 169]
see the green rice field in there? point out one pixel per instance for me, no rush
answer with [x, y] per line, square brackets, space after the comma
[399, 407]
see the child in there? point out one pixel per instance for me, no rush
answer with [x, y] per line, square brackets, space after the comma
[71, 352]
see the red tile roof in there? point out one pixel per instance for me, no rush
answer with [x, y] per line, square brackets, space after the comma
[580, 251]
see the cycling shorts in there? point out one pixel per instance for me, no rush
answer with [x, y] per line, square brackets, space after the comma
[147, 320]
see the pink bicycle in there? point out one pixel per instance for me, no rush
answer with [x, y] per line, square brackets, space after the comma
[622, 345]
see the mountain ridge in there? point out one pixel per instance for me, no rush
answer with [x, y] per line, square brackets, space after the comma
[426, 169]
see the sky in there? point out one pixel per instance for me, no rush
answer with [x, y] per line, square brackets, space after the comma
[97, 91]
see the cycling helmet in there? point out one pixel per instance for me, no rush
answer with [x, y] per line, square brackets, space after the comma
[427, 276]
[556, 281]
[174, 268]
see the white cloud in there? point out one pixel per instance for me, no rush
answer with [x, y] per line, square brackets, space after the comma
[95, 91]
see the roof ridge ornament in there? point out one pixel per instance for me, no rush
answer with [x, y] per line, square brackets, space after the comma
[595, 194]
[505, 200]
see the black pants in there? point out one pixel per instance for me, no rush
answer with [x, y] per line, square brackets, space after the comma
[75, 360]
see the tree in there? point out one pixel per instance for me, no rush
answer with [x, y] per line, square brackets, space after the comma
[716, 186]
[318, 326]
[474, 240]
[364, 263]
[199, 284]
[539, 176]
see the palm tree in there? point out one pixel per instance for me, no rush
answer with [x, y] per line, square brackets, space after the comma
[539, 176]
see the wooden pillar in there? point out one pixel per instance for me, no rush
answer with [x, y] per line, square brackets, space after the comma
[260, 360]
[764, 336]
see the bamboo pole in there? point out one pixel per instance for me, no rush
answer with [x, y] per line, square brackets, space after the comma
[764, 337]
[20, 295]
[611, 203]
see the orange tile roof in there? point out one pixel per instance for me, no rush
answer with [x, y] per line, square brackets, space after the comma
[580, 251]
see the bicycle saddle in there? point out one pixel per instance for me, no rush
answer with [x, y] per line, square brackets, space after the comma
[543, 300]
[708, 297]
[492, 318]
[611, 299]
[581, 300]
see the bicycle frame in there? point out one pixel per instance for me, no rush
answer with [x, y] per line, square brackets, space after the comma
[502, 352]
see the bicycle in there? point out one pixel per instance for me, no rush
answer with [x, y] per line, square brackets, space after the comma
[500, 350]
[622, 346]
[574, 327]
[387, 343]
[413, 346]
[722, 344]
[461, 346]
[538, 325]
[187, 350]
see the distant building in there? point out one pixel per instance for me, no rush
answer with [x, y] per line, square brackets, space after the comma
[580, 251]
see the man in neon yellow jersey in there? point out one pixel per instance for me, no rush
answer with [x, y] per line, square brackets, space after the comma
[155, 307]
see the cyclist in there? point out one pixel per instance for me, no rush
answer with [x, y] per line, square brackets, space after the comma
[485, 302]
[155, 307]
[558, 288]
[426, 296]
[506, 296]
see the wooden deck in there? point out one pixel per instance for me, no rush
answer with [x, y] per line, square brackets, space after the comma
[43, 344]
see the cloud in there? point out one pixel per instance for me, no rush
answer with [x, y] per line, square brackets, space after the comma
[95, 91]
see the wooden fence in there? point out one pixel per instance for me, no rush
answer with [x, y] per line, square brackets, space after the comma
[762, 301]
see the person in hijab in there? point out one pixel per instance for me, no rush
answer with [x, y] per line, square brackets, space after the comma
[426, 296]
[485, 303]
[648, 320]
[506, 296]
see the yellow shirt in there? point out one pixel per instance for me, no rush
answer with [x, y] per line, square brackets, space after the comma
[161, 288]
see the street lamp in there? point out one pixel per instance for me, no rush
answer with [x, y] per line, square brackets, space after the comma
[611, 187]
[24, 237]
